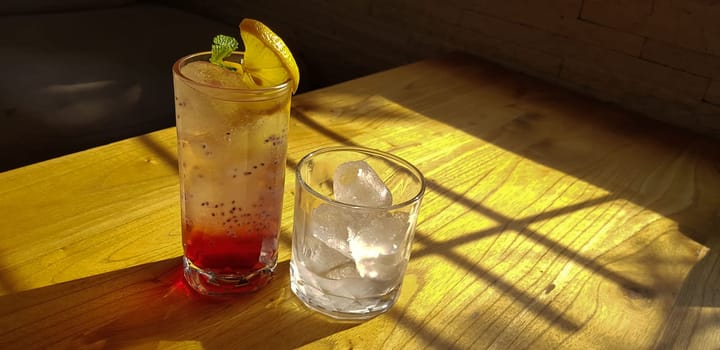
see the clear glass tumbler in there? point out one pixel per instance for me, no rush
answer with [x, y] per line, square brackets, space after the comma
[354, 221]
[232, 145]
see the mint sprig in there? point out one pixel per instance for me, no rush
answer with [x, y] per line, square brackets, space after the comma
[223, 46]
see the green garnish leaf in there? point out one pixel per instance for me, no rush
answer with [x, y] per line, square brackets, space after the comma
[223, 46]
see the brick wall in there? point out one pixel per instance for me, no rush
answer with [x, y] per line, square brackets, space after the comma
[657, 57]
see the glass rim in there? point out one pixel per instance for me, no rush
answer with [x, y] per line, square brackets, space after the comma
[255, 91]
[414, 199]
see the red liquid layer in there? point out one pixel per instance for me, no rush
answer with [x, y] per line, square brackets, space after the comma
[223, 254]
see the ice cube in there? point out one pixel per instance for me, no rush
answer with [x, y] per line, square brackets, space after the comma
[378, 247]
[331, 225]
[319, 258]
[211, 74]
[345, 281]
[358, 184]
[343, 271]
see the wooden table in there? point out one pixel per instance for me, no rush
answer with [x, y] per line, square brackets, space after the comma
[550, 221]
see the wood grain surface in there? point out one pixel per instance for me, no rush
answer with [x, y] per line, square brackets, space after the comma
[551, 221]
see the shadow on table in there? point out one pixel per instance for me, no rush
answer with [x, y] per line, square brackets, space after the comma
[149, 305]
[634, 159]
[705, 276]
[694, 319]
[168, 156]
[631, 156]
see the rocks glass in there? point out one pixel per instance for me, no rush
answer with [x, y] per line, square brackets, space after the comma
[354, 221]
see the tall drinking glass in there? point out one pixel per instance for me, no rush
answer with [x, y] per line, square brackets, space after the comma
[232, 145]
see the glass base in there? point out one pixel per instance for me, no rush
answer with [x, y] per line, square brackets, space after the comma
[338, 307]
[214, 284]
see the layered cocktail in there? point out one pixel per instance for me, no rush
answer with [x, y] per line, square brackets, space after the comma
[232, 125]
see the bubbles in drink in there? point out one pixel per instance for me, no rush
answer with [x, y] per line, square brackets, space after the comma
[232, 180]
